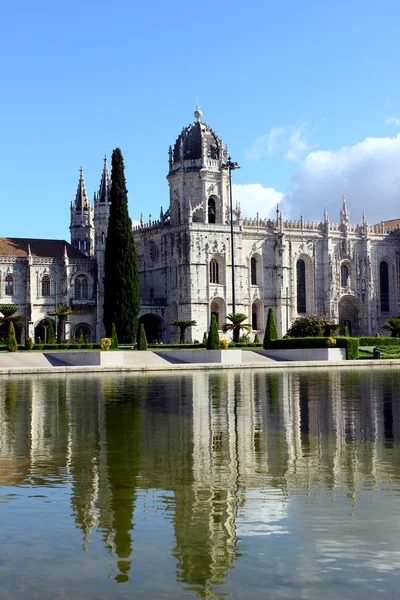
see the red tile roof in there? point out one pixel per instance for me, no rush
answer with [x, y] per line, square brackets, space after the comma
[40, 248]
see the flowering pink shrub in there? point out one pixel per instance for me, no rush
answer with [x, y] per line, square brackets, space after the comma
[311, 326]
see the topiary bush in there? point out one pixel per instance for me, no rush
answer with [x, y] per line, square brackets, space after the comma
[28, 343]
[11, 340]
[114, 337]
[142, 339]
[51, 338]
[213, 335]
[270, 329]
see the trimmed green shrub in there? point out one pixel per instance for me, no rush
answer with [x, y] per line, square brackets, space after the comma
[86, 346]
[50, 346]
[319, 332]
[205, 338]
[256, 340]
[37, 347]
[11, 339]
[270, 330]
[73, 346]
[346, 330]
[351, 344]
[380, 342]
[213, 335]
[114, 337]
[142, 339]
[51, 338]
[28, 343]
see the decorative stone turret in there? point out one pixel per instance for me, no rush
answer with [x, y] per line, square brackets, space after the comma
[198, 177]
[81, 225]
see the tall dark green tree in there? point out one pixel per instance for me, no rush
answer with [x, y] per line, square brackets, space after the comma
[121, 278]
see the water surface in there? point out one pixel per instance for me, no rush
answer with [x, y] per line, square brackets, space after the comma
[228, 485]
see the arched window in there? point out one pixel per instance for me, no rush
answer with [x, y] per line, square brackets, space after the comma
[301, 286]
[214, 274]
[81, 288]
[45, 285]
[344, 275]
[211, 210]
[174, 275]
[384, 286]
[9, 291]
[253, 272]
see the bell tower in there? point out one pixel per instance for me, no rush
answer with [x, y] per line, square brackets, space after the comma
[81, 224]
[198, 177]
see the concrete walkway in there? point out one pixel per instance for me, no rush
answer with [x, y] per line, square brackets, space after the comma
[149, 361]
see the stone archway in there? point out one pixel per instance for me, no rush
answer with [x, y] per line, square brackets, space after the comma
[350, 312]
[153, 327]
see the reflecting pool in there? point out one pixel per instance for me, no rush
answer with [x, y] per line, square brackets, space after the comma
[244, 484]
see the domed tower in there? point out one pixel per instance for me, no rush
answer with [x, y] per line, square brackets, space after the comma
[198, 178]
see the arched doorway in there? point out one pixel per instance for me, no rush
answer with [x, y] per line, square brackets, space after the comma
[4, 332]
[86, 332]
[350, 312]
[153, 327]
[41, 330]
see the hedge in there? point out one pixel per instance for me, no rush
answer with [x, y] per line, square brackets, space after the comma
[379, 341]
[351, 344]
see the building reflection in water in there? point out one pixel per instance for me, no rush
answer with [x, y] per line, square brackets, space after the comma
[229, 448]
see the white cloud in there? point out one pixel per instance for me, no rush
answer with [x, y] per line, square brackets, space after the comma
[254, 198]
[368, 173]
[289, 139]
[393, 121]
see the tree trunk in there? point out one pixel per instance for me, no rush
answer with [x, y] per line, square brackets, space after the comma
[61, 328]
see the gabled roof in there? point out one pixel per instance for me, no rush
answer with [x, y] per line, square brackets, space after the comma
[39, 248]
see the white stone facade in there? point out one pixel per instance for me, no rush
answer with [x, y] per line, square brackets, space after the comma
[346, 272]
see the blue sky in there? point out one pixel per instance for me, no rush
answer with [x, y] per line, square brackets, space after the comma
[306, 94]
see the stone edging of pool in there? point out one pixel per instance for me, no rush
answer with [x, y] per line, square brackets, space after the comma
[150, 361]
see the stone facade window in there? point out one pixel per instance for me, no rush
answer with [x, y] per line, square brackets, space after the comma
[211, 210]
[81, 288]
[9, 288]
[45, 285]
[344, 275]
[254, 274]
[301, 286]
[384, 286]
[214, 271]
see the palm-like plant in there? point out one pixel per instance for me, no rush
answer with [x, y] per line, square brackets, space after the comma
[62, 311]
[183, 325]
[236, 325]
[8, 316]
[393, 326]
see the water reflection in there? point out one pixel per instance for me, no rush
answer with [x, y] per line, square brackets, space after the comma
[224, 458]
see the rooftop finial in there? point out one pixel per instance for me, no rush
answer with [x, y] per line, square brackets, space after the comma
[198, 113]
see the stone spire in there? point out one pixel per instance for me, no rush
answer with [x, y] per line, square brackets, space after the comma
[81, 199]
[344, 213]
[104, 190]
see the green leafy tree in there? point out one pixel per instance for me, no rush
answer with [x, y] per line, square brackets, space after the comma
[121, 278]
[114, 337]
[62, 312]
[8, 317]
[308, 326]
[236, 325]
[11, 339]
[270, 330]
[393, 325]
[183, 325]
[213, 335]
[142, 339]
[51, 338]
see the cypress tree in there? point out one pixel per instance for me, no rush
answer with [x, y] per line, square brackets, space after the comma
[319, 332]
[346, 330]
[51, 338]
[142, 339]
[114, 337]
[11, 340]
[270, 330]
[121, 278]
[213, 335]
